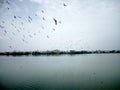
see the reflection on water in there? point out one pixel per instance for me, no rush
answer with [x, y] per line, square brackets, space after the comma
[79, 72]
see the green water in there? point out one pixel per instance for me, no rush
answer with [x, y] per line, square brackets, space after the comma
[79, 72]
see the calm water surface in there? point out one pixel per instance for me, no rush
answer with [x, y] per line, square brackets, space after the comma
[79, 72]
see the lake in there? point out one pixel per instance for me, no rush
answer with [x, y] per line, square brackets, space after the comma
[64, 72]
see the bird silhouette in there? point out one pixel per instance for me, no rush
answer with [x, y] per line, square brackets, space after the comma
[53, 29]
[7, 2]
[55, 21]
[15, 17]
[47, 36]
[42, 11]
[30, 18]
[5, 31]
[43, 18]
[64, 4]
[29, 21]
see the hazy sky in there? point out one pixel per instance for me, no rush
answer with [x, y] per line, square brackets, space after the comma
[81, 24]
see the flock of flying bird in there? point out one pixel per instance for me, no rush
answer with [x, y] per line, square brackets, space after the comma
[29, 20]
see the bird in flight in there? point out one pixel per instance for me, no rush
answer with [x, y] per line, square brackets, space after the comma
[5, 31]
[48, 36]
[15, 17]
[7, 2]
[30, 18]
[43, 18]
[55, 21]
[64, 4]
[42, 11]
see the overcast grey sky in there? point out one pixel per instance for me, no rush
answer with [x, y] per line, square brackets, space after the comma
[81, 25]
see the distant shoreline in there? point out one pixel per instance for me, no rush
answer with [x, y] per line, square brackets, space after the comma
[57, 52]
